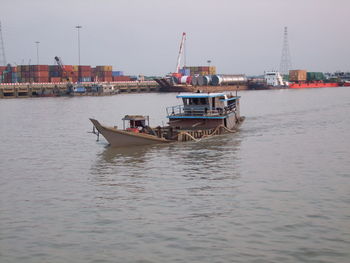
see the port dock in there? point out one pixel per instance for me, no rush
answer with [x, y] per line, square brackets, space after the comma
[26, 90]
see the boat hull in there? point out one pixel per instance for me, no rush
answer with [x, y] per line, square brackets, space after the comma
[120, 138]
[313, 85]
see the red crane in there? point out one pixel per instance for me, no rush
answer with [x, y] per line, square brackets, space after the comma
[180, 52]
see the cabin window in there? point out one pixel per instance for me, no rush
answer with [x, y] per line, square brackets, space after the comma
[232, 102]
[203, 101]
[197, 101]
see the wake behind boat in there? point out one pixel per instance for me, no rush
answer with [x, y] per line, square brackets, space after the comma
[201, 115]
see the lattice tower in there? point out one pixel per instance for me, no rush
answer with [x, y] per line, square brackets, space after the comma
[286, 62]
[2, 49]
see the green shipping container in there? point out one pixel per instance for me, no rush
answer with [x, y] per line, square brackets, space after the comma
[315, 76]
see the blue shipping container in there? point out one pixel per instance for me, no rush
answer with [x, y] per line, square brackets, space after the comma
[185, 71]
[117, 73]
[85, 79]
[55, 74]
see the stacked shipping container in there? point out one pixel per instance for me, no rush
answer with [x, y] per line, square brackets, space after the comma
[103, 73]
[201, 70]
[40, 73]
[303, 75]
[297, 75]
[53, 73]
[9, 74]
[84, 73]
[315, 76]
[2, 72]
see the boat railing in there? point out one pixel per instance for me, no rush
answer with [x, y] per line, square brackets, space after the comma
[181, 110]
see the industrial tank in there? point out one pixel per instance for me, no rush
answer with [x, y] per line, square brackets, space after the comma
[204, 80]
[218, 80]
[194, 81]
[185, 80]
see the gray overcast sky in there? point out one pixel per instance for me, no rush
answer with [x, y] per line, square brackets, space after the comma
[143, 36]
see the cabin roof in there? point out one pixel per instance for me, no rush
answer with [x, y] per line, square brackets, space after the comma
[134, 118]
[199, 95]
[230, 98]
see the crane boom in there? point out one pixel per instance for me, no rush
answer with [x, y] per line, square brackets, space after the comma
[62, 69]
[65, 75]
[180, 52]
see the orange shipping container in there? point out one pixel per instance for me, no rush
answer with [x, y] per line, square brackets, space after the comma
[103, 68]
[68, 68]
[297, 75]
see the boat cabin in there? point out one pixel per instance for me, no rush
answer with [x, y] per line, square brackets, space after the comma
[204, 104]
[135, 123]
[205, 110]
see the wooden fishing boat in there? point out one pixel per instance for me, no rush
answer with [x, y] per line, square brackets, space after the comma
[201, 115]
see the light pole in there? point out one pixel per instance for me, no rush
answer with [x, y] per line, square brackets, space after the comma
[209, 69]
[78, 27]
[208, 61]
[37, 52]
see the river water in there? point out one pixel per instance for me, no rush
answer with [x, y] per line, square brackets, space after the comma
[276, 191]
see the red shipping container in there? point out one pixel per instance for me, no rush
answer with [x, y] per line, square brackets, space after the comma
[55, 79]
[74, 74]
[84, 68]
[121, 78]
[41, 79]
[40, 74]
[85, 74]
[25, 74]
[106, 79]
[39, 67]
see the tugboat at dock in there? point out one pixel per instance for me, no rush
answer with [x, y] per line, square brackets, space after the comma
[201, 115]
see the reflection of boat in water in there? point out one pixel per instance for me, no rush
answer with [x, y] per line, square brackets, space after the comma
[202, 115]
